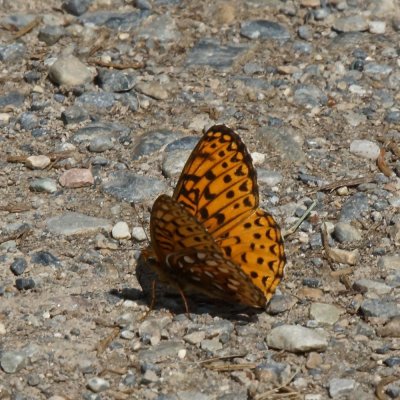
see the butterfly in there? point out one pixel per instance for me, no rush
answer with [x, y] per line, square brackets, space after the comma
[211, 237]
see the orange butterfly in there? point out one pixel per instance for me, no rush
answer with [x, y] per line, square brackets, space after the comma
[210, 236]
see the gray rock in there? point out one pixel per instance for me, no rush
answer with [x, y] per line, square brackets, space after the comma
[153, 141]
[251, 68]
[368, 285]
[98, 384]
[305, 32]
[12, 99]
[142, 4]
[133, 188]
[325, 313]
[174, 161]
[393, 117]
[96, 102]
[12, 52]
[12, 361]
[100, 144]
[28, 121]
[295, 338]
[116, 81]
[263, 29]
[268, 178]
[389, 263]
[119, 21]
[354, 23]
[72, 223]
[43, 185]
[380, 308]
[346, 233]
[70, 71]
[150, 332]
[182, 143]
[104, 129]
[211, 53]
[18, 266]
[280, 303]
[129, 99]
[282, 141]
[51, 34]
[377, 71]
[161, 352]
[76, 7]
[74, 115]
[161, 28]
[309, 96]
[211, 345]
[354, 207]
[339, 387]
[25, 283]
[45, 258]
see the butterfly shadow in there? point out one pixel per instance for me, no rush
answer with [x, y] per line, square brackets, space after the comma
[166, 297]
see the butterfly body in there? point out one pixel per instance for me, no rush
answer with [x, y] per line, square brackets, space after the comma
[210, 236]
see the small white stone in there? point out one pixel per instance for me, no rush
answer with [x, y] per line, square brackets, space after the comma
[2, 329]
[5, 118]
[182, 354]
[37, 162]
[365, 149]
[258, 158]
[378, 27]
[97, 384]
[121, 231]
[139, 234]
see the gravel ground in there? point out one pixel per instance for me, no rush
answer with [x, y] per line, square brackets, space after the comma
[101, 102]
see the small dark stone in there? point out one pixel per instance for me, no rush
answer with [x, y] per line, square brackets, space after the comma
[392, 361]
[312, 282]
[76, 7]
[33, 379]
[18, 266]
[357, 65]
[51, 34]
[11, 99]
[45, 258]
[32, 76]
[25, 283]
[73, 115]
[393, 117]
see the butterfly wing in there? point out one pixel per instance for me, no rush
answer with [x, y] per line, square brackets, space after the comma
[256, 245]
[188, 257]
[218, 183]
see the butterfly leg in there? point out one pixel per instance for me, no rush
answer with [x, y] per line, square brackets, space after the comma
[153, 300]
[181, 292]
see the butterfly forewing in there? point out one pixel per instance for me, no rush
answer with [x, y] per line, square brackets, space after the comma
[218, 183]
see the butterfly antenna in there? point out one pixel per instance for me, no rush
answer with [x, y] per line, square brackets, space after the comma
[294, 228]
[140, 219]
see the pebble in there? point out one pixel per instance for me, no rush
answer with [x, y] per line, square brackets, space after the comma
[369, 285]
[70, 71]
[309, 96]
[195, 338]
[139, 234]
[73, 223]
[173, 162]
[76, 178]
[116, 81]
[295, 338]
[76, 7]
[211, 345]
[44, 185]
[37, 162]
[325, 313]
[380, 308]
[12, 52]
[74, 115]
[133, 188]
[19, 266]
[354, 23]
[120, 231]
[100, 144]
[12, 361]
[51, 34]
[153, 90]
[346, 233]
[210, 52]
[98, 384]
[154, 141]
[354, 206]
[340, 387]
[150, 332]
[24, 283]
[264, 29]
[377, 27]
